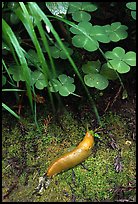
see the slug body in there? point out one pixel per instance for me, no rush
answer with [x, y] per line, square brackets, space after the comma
[73, 158]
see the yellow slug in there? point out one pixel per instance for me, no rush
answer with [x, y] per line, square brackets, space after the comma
[73, 158]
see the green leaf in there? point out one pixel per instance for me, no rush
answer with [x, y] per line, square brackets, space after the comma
[88, 6]
[13, 5]
[133, 14]
[130, 58]
[57, 52]
[57, 8]
[81, 16]
[116, 31]
[82, 28]
[78, 10]
[82, 6]
[65, 79]
[16, 71]
[3, 80]
[89, 80]
[121, 61]
[96, 80]
[83, 38]
[64, 84]
[63, 54]
[99, 33]
[38, 79]
[54, 85]
[120, 66]
[117, 53]
[92, 67]
[74, 6]
[14, 19]
[66, 87]
[81, 41]
[131, 5]
[32, 57]
[108, 73]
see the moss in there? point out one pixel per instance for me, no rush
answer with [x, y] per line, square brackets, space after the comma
[98, 183]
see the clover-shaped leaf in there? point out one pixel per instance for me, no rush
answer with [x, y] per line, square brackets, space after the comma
[107, 72]
[133, 14]
[120, 66]
[116, 53]
[121, 61]
[116, 31]
[81, 16]
[99, 33]
[82, 28]
[32, 57]
[78, 10]
[64, 79]
[38, 79]
[93, 77]
[16, 72]
[92, 67]
[88, 6]
[54, 85]
[75, 7]
[130, 58]
[83, 6]
[64, 85]
[67, 87]
[132, 7]
[83, 38]
[58, 52]
[96, 80]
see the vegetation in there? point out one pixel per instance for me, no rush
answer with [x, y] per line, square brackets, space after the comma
[64, 66]
[35, 61]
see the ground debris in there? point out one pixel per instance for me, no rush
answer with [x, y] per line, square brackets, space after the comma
[118, 164]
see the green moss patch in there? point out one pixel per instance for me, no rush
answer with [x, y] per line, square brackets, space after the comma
[26, 158]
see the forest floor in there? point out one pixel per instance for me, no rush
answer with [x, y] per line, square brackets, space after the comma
[109, 174]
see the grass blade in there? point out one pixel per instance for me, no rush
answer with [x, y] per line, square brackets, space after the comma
[10, 110]
[8, 34]
[24, 16]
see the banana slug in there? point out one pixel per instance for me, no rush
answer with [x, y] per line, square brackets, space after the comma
[74, 157]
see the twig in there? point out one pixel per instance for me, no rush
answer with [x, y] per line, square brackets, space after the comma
[117, 94]
[111, 103]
